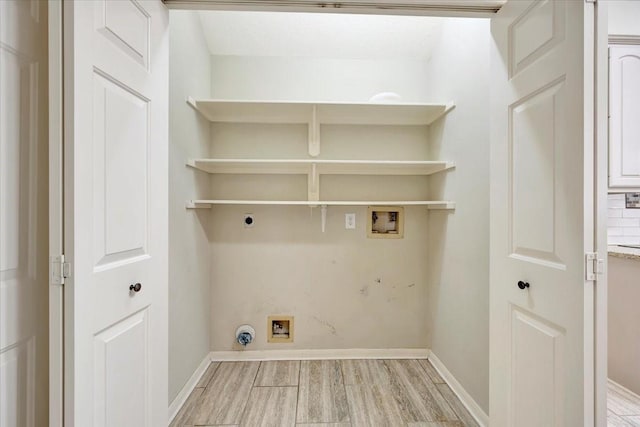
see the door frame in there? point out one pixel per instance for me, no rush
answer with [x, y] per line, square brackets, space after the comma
[601, 184]
[56, 214]
[596, 377]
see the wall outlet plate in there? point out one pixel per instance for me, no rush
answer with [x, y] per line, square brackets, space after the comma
[350, 221]
[632, 200]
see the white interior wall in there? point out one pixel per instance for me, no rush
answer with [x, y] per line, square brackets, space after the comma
[320, 79]
[344, 290]
[459, 241]
[624, 17]
[189, 286]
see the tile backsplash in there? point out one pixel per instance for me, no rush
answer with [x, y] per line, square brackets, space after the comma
[623, 223]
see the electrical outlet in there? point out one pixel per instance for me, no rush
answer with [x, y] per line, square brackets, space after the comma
[350, 221]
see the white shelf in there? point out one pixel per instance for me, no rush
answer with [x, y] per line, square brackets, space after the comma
[217, 110]
[430, 204]
[314, 114]
[322, 167]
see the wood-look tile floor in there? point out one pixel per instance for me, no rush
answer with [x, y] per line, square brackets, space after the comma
[623, 407]
[327, 393]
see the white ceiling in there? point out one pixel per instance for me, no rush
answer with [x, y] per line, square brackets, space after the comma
[319, 35]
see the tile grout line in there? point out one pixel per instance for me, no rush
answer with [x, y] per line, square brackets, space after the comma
[246, 402]
[295, 421]
[215, 371]
[253, 384]
[346, 396]
[438, 388]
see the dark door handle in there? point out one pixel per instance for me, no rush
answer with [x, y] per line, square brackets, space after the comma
[135, 288]
[523, 285]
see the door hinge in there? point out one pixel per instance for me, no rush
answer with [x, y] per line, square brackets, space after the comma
[60, 270]
[594, 266]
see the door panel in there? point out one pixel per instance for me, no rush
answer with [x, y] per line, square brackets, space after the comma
[537, 122]
[126, 24]
[116, 145]
[536, 31]
[542, 217]
[535, 342]
[120, 120]
[123, 348]
[23, 206]
[17, 370]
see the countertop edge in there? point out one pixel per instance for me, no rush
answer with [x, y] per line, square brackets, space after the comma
[625, 253]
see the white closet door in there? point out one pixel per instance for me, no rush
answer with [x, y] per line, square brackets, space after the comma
[542, 194]
[624, 121]
[116, 141]
[23, 213]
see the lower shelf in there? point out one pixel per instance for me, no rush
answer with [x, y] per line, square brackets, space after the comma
[430, 204]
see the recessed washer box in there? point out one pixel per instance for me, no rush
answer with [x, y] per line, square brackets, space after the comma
[280, 329]
[385, 222]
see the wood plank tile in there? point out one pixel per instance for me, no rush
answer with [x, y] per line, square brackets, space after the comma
[457, 405]
[633, 420]
[365, 372]
[224, 399]
[278, 374]
[621, 401]
[614, 420]
[208, 374]
[431, 372]
[321, 394]
[271, 406]
[436, 424]
[324, 425]
[415, 394]
[373, 405]
[184, 417]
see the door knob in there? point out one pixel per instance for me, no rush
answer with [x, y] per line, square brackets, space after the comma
[135, 288]
[523, 285]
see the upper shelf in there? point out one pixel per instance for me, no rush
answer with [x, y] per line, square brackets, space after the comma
[323, 167]
[217, 110]
[430, 204]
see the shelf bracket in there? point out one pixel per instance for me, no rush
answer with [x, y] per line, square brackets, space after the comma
[323, 217]
[313, 180]
[314, 133]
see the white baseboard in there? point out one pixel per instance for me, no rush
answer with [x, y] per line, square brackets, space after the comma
[633, 394]
[472, 406]
[320, 354]
[188, 388]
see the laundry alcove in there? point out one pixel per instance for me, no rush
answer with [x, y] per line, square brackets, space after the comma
[270, 115]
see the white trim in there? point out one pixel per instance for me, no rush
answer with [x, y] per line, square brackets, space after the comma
[322, 354]
[472, 406]
[183, 395]
[624, 39]
[634, 395]
[601, 209]
[56, 185]
[447, 8]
